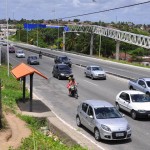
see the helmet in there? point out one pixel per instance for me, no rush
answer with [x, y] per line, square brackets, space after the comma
[69, 78]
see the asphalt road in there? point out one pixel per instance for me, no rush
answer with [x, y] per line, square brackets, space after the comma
[54, 93]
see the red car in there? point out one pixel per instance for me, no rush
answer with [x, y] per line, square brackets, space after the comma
[11, 49]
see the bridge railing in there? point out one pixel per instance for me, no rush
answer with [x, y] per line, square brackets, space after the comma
[131, 38]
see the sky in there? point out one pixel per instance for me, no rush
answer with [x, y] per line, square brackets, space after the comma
[56, 9]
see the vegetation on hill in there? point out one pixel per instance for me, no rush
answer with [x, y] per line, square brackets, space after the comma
[53, 38]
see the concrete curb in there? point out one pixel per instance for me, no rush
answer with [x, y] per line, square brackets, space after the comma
[68, 135]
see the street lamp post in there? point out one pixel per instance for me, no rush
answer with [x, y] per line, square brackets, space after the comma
[58, 36]
[99, 52]
[0, 56]
[27, 33]
[7, 37]
[37, 38]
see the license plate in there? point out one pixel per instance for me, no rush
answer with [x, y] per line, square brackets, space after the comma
[119, 134]
[100, 75]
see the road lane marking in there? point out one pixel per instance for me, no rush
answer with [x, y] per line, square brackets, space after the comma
[90, 83]
[71, 127]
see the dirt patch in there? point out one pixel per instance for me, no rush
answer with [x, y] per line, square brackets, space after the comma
[12, 136]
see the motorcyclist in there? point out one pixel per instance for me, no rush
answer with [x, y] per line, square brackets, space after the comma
[40, 54]
[71, 83]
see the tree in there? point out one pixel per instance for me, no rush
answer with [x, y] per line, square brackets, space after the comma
[76, 20]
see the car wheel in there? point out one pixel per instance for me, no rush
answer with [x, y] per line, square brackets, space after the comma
[53, 74]
[78, 121]
[70, 65]
[117, 106]
[133, 114]
[59, 78]
[92, 77]
[85, 74]
[97, 135]
[131, 88]
[148, 93]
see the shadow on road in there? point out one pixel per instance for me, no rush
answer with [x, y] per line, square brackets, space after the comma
[37, 106]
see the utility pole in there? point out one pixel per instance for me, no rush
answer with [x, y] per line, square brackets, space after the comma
[58, 36]
[7, 36]
[0, 105]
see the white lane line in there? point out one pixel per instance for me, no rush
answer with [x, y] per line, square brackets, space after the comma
[71, 127]
[90, 83]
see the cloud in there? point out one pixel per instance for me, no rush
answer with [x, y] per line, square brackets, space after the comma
[43, 9]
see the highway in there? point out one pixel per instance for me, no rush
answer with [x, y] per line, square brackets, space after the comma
[124, 70]
[53, 92]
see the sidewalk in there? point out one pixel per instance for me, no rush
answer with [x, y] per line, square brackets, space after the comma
[65, 132]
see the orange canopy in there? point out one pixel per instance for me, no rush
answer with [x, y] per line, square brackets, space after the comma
[23, 70]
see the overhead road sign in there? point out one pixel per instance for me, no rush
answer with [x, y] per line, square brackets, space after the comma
[29, 26]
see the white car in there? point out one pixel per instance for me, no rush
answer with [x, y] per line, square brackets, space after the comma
[20, 54]
[135, 102]
[95, 72]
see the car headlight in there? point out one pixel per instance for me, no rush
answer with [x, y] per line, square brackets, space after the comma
[62, 74]
[128, 127]
[105, 127]
[141, 111]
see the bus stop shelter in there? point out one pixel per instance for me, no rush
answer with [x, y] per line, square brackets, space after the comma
[20, 72]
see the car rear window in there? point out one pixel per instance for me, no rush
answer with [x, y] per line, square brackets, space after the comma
[64, 58]
[63, 67]
[33, 57]
[96, 68]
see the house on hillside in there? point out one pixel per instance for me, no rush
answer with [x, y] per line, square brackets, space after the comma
[123, 56]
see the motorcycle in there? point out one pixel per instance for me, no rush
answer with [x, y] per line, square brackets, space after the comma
[74, 91]
[40, 56]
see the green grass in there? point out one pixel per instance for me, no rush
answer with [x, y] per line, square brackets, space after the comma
[11, 92]
[122, 61]
[38, 141]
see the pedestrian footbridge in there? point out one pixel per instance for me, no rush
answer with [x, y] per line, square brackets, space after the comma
[117, 35]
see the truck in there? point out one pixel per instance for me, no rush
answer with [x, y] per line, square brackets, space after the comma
[141, 84]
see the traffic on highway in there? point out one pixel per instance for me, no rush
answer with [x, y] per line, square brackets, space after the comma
[107, 122]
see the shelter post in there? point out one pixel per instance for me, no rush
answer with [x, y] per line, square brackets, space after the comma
[31, 90]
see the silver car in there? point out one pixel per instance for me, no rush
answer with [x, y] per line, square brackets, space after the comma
[20, 54]
[103, 119]
[95, 72]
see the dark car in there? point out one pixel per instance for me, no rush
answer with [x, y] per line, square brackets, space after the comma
[63, 59]
[61, 71]
[4, 44]
[11, 49]
[33, 60]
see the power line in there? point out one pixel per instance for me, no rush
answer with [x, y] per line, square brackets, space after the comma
[121, 7]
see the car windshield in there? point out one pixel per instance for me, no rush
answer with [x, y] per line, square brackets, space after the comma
[64, 67]
[34, 57]
[148, 83]
[97, 69]
[20, 52]
[140, 98]
[107, 113]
